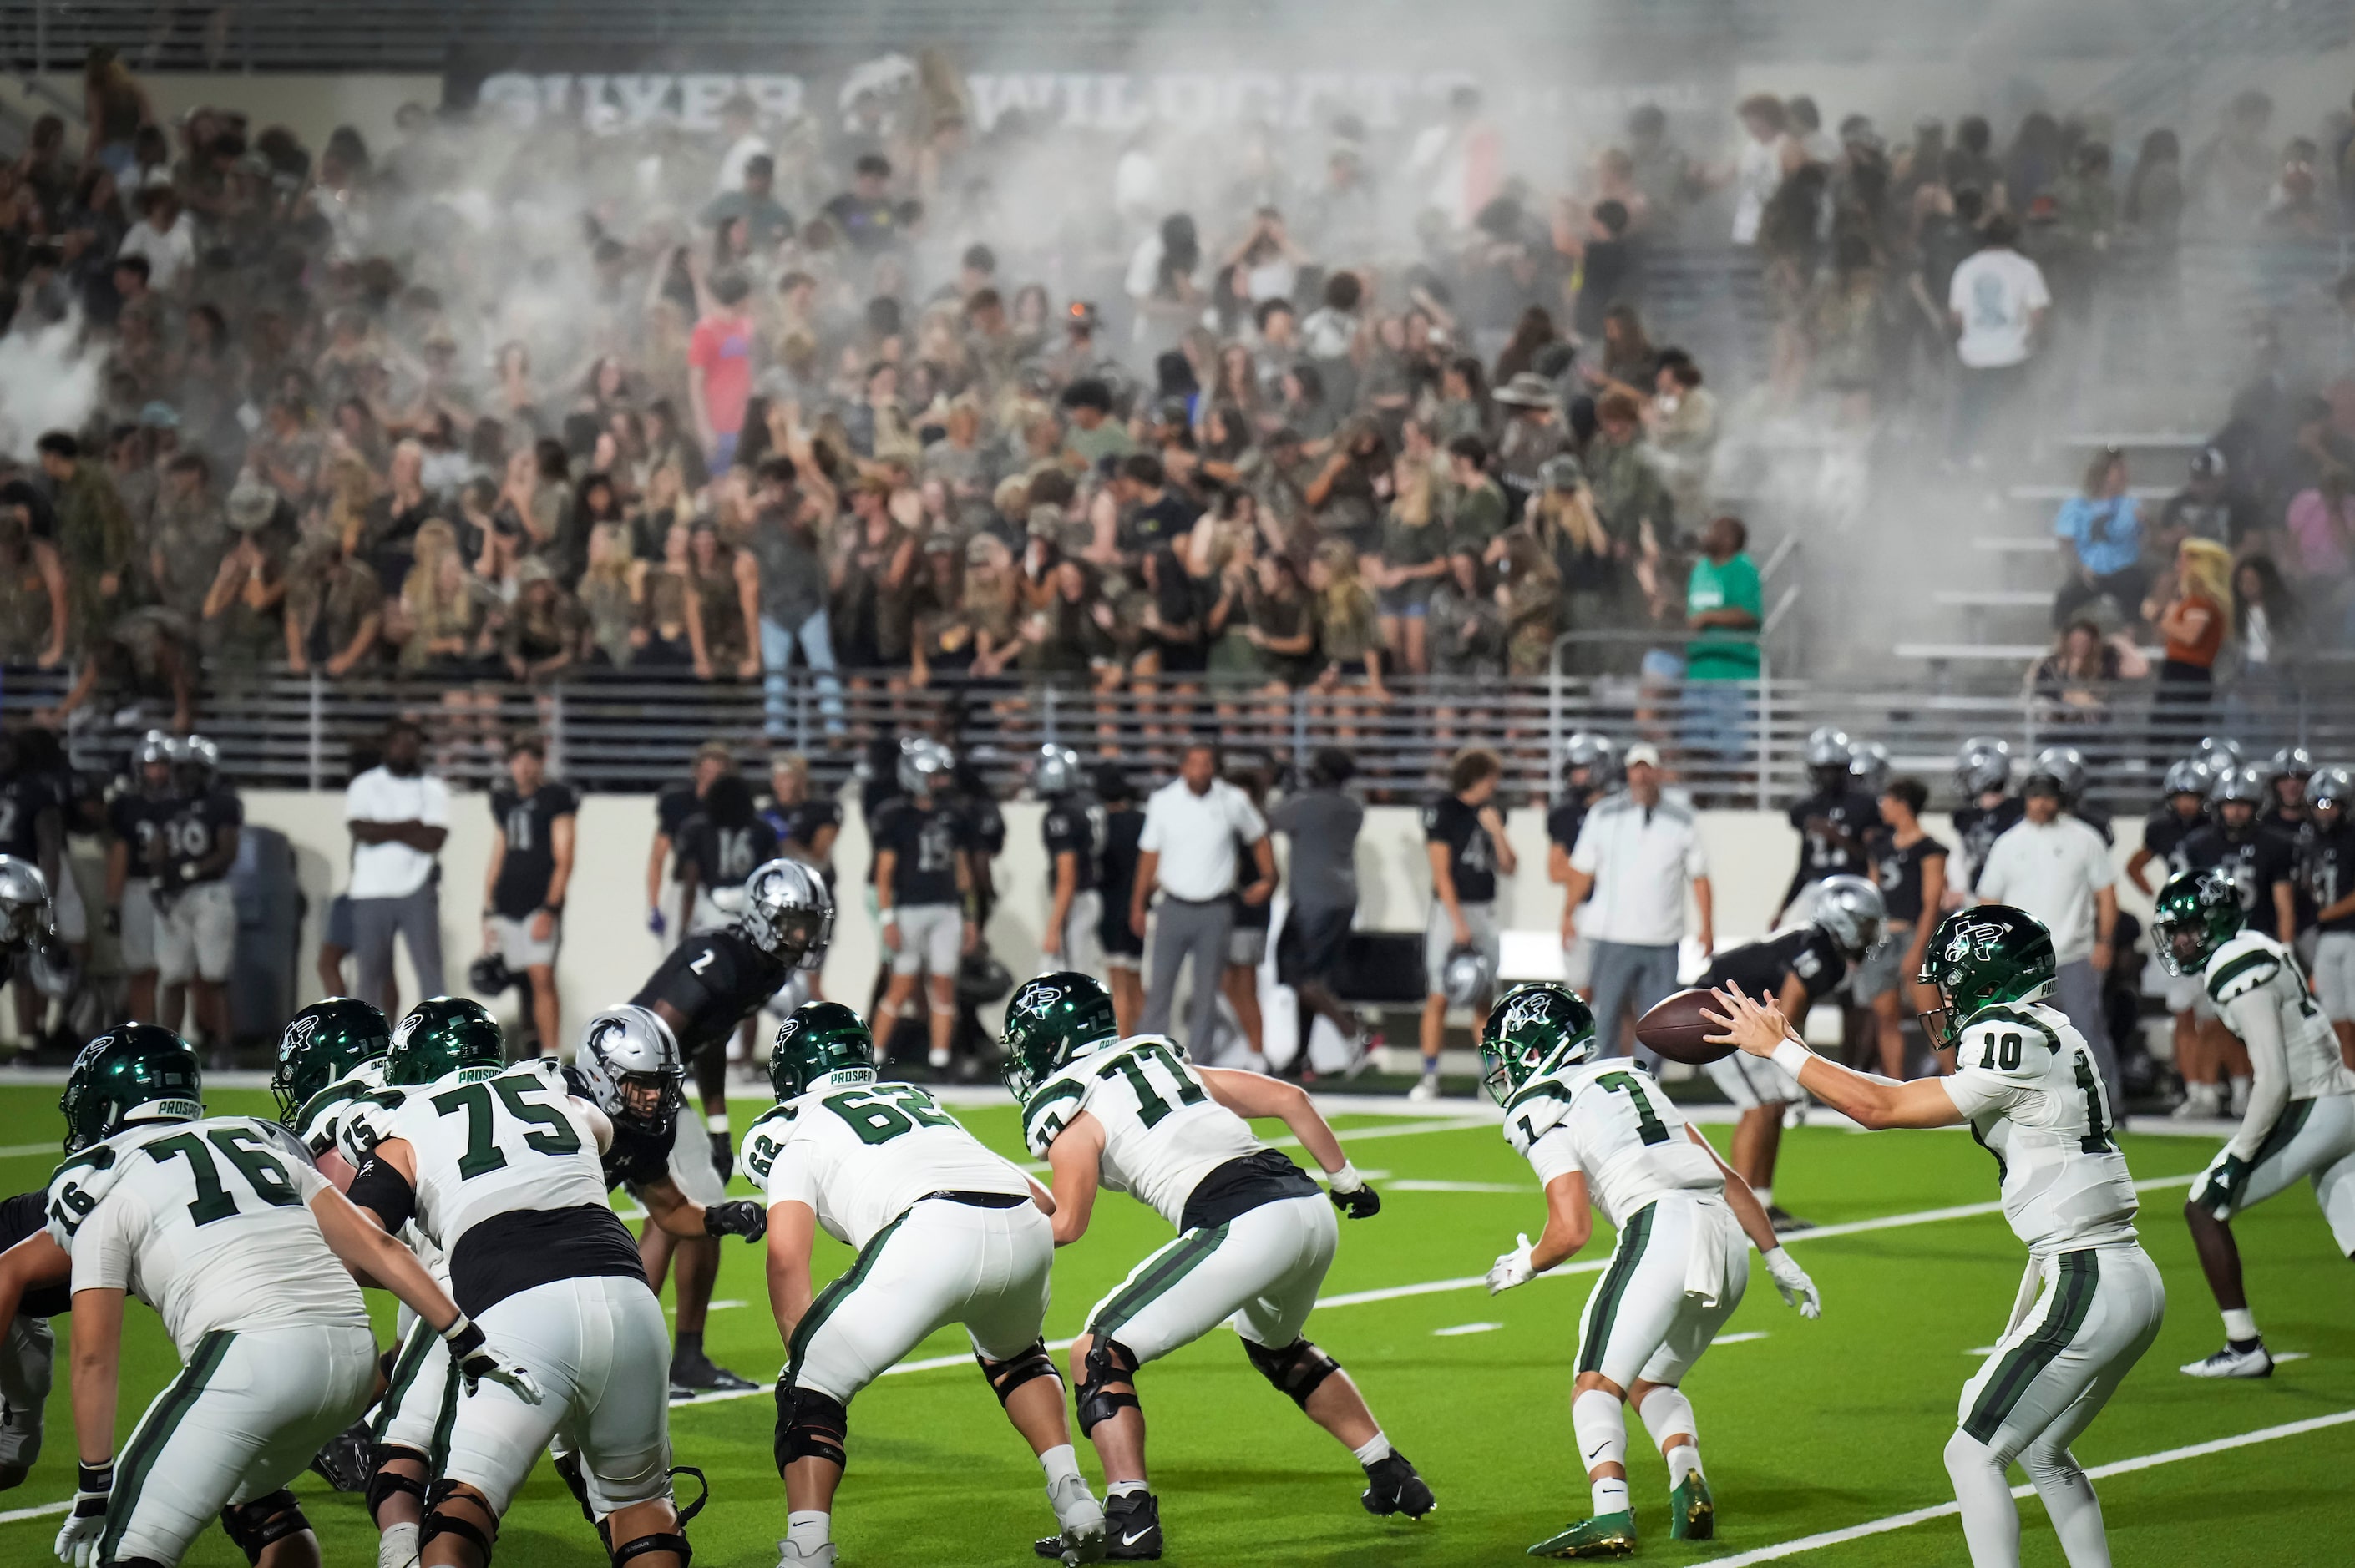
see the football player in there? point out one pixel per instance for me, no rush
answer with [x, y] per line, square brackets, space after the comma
[1070, 831]
[33, 830]
[947, 1233]
[223, 1226]
[1124, 950]
[196, 908]
[2263, 864]
[628, 1066]
[1908, 866]
[702, 989]
[1254, 1238]
[1600, 1135]
[1989, 808]
[925, 896]
[1798, 968]
[2301, 1116]
[499, 1167]
[2327, 865]
[1464, 835]
[2030, 1089]
[1832, 821]
[2180, 813]
[135, 821]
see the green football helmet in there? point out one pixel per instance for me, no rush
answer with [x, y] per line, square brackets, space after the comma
[1533, 1028]
[823, 1046]
[1984, 957]
[2197, 913]
[441, 1035]
[322, 1045]
[134, 1072]
[1051, 1021]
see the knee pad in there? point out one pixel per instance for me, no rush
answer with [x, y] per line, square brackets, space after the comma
[1109, 1361]
[254, 1525]
[810, 1425]
[669, 1541]
[1298, 1370]
[438, 1523]
[1008, 1375]
[383, 1485]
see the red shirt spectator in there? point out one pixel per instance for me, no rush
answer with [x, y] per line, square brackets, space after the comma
[722, 355]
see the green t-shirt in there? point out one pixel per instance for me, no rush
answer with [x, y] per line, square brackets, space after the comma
[1717, 654]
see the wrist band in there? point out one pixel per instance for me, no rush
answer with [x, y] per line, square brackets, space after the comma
[1790, 1055]
[716, 1122]
[461, 1336]
[99, 1478]
[1345, 1179]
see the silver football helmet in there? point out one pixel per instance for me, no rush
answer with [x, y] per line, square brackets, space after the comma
[1056, 772]
[154, 748]
[2330, 789]
[200, 757]
[1467, 976]
[2245, 784]
[1849, 910]
[1870, 766]
[788, 914]
[2220, 752]
[1984, 763]
[24, 902]
[2188, 776]
[629, 1061]
[1598, 754]
[2065, 766]
[924, 766]
[2292, 762]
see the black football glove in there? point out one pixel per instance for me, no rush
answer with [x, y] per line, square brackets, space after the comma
[736, 1217]
[1352, 1195]
[723, 1156]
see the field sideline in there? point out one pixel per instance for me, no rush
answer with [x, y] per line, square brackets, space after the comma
[1821, 1439]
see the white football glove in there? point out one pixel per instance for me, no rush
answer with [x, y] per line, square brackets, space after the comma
[78, 1538]
[1513, 1268]
[477, 1362]
[1797, 1289]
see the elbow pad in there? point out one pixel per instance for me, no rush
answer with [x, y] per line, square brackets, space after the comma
[380, 1188]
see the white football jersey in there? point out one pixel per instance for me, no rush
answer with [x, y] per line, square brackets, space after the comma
[2029, 1087]
[207, 1221]
[321, 1118]
[1609, 1120]
[861, 1157]
[1162, 1132]
[488, 1141]
[2253, 971]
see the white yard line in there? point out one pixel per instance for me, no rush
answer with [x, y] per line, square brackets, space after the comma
[2123, 1467]
[13, 1514]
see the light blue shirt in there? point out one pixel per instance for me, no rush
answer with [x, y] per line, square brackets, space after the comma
[2107, 532]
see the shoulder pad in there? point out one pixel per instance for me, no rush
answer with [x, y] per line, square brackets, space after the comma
[75, 1187]
[2240, 966]
[1049, 1107]
[1535, 1108]
[764, 1137]
[367, 1121]
[2009, 1040]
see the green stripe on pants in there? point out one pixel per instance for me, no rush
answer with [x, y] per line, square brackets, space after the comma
[1603, 1310]
[154, 1434]
[405, 1368]
[833, 1295]
[2072, 1302]
[1159, 1272]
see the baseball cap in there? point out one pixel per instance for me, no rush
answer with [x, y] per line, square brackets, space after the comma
[1643, 752]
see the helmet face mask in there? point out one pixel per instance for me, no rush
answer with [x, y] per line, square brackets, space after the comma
[1051, 1021]
[2329, 789]
[788, 914]
[2188, 777]
[24, 902]
[1850, 911]
[923, 767]
[630, 1062]
[1983, 765]
[1987, 956]
[2196, 913]
[1055, 772]
[1533, 1029]
[1829, 754]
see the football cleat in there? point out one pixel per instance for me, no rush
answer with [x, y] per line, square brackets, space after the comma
[1692, 1512]
[792, 1556]
[348, 1460]
[1786, 1222]
[2248, 1358]
[694, 1373]
[1424, 1091]
[1083, 1519]
[1393, 1486]
[1132, 1531]
[1604, 1535]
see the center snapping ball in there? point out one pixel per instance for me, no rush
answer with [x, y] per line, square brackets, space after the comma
[1675, 1028]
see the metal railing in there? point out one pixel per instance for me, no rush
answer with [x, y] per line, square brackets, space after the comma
[1730, 742]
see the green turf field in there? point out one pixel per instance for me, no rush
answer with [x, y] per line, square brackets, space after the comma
[1805, 1427]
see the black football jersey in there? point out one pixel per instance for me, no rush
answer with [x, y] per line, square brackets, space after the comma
[27, 1214]
[2257, 859]
[23, 799]
[724, 857]
[1760, 968]
[925, 841]
[2095, 817]
[673, 807]
[1123, 829]
[193, 830]
[2327, 871]
[138, 820]
[1978, 827]
[1837, 851]
[529, 865]
[1564, 821]
[1471, 853]
[715, 981]
[1070, 824]
[800, 825]
[638, 1156]
[1898, 873]
[2164, 833]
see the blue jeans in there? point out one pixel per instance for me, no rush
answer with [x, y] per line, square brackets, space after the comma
[817, 652]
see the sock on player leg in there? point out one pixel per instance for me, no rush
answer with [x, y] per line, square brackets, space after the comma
[1765, 1196]
[1990, 1522]
[690, 1343]
[1375, 1451]
[2069, 1502]
[1601, 1432]
[808, 1528]
[1061, 1464]
[1126, 1488]
[1667, 1414]
[2240, 1325]
[398, 1547]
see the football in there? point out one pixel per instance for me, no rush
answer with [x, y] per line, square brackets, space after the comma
[1676, 1029]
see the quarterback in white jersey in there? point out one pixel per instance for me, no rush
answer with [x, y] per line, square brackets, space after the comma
[2300, 1122]
[2028, 1086]
[499, 1167]
[947, 1233]
[1255, 1236]
[241, 1246]
[1600, 1135]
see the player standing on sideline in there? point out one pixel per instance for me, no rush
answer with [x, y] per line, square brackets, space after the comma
[2180, 813]
[195, 909]
[1069, 940]
[946, 1232]
[1588, 762]
[1832, 821]
[1600, 1135]
[2027, 1086]
[1989, 808]
[701, 990]
[807, 823]
[532, 823]
[2328, 867]
[2301, 1116]
[222, 1225]
[924, 897]
[1254, 1237]
[2261, 864]
[1123, 949]
[673, 807]
[1798, 968]
[1463, 834]
[1908, 866]
[719, 847]
[135, 818]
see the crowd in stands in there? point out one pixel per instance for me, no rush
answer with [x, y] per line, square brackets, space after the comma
[494, 405]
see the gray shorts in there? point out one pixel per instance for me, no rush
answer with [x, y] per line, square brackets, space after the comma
[137, 942]
[1880, 971]
[932, 939]
[692, 1165]
[1246, 947]
[2334, 975]
[1439, 940]
[196, 934]
[512, 941]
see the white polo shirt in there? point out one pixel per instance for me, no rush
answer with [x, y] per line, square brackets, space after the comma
[1199, 838]
[2052, 870]
[1642, 859]
[393, 870]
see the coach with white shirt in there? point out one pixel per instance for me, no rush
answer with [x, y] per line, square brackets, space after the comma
[398, 815]
[1195, 828]
[1637, 854]
[2057, 869]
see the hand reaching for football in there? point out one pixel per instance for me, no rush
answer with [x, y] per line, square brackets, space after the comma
[1752, 1026]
